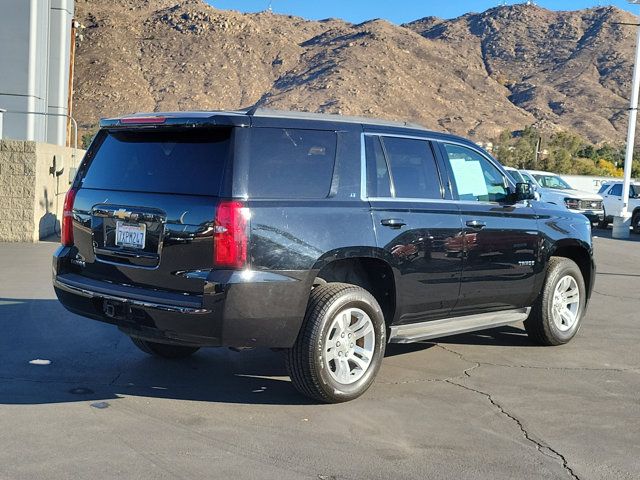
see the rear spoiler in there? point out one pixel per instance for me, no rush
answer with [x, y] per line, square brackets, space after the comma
[187, 120]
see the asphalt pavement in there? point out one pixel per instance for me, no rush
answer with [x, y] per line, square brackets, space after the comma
[78, 400]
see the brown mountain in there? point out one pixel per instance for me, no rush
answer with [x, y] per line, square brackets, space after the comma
[475, 75]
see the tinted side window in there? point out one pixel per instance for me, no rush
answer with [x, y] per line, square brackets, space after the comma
[378, 182]
[413, 168]
[477, 179]
[616, 190]
[290, 163]
[603, 188]
[171, 161]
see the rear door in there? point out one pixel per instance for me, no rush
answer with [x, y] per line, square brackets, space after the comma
[420, 230]
[146, 203]
[501, 238]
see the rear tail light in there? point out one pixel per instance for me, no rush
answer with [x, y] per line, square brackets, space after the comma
[66, 233]
[230, 235]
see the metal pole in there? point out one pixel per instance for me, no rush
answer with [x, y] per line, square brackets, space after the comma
[621, 223]
[75, 141]
[1, 120]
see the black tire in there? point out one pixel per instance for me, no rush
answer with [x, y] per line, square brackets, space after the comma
[306, 361]
[604, 223]
[635, 222]
[164, 350]
[540, 325]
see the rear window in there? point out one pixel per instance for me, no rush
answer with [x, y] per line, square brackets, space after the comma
[187, 162]
[290, 163]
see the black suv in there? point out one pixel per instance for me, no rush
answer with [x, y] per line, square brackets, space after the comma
[323, 235]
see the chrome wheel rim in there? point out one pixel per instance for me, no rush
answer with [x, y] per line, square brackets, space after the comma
[566, 303]
[349, 346]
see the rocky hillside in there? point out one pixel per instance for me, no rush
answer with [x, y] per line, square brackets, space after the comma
[475, 75]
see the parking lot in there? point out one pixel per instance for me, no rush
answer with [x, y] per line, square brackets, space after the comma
[484, 405]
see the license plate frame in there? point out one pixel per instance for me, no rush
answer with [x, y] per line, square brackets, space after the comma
[131, 235]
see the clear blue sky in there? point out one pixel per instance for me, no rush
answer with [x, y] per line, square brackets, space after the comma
[398, 11]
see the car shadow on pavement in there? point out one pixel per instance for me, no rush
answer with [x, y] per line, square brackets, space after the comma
[48, 355]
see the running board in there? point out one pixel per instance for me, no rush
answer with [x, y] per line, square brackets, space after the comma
[416, 332]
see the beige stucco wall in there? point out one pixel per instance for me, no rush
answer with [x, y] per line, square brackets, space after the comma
[31, 197]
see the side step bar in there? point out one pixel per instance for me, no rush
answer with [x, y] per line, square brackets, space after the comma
[416, 332]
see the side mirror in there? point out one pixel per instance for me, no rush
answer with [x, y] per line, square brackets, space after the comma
[524, 191]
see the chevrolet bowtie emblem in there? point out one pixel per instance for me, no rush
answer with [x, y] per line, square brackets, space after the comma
[121, 214]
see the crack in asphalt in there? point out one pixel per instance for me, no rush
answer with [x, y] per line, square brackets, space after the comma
[619, 297]
[541, 447]
[536, 367]
[544, 449]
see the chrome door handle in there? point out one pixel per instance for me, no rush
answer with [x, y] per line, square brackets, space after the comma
[476, 224]
[393, 222]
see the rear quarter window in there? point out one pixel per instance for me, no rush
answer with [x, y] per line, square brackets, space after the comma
[189, 162]
[290, 163]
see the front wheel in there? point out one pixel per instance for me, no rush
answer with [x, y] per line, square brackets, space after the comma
[340, 345]
[555, 318]
[604, 223]
[164, 350]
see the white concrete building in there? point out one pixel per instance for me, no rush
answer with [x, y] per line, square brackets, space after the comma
[35, 46]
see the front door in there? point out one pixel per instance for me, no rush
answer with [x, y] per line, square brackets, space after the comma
[421, 233]
[502, 242]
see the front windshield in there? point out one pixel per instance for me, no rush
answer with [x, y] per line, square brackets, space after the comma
[552, 181]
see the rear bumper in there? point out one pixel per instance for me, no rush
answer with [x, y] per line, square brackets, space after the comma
[236, 309]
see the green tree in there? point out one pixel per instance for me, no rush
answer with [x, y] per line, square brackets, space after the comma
[87, 138]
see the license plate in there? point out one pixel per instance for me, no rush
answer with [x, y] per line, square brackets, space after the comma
[130, 235]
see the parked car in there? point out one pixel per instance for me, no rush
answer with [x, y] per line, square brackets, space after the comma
[555, 190]
[612, 194]
[322, 235]
[517, 177]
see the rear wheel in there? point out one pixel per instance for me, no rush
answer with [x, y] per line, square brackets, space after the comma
[340, 345]
[556, 316]
[164, 350]
[635, 222]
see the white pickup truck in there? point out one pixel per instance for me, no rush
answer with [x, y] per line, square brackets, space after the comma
[612, 194]
[553, 189]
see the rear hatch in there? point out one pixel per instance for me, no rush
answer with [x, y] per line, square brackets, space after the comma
[145, 206]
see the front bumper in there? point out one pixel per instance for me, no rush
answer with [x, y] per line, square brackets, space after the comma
[594, 216]
[236, 309]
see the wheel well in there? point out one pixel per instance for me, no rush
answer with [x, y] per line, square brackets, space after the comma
[372, 274]
[582, 259]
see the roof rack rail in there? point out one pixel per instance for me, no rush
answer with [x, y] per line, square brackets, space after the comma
[330, 117]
